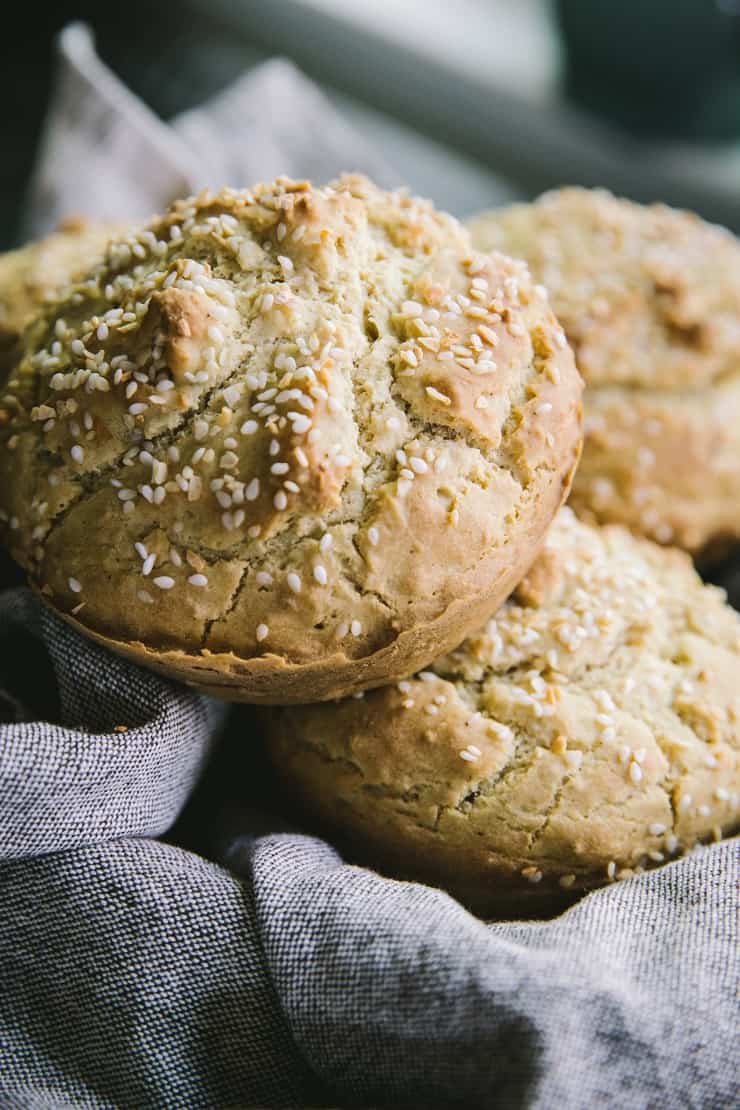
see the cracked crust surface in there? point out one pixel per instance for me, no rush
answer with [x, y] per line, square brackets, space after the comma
[30, 276]
[650, 300]
[590, 729]
[290, 442]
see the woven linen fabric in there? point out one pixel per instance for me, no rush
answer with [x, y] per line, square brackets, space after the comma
[137, 974]
[260, 970]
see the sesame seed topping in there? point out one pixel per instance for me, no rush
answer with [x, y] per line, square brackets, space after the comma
[164, 582]
[319, 573]
[74, 585]
[261, 632]
[77, 453]
[294, 582]
[198, 580]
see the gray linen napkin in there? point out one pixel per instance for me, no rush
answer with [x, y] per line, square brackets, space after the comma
[137, 974]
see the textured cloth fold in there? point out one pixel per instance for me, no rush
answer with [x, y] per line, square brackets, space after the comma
[76, 780]
[261, 970]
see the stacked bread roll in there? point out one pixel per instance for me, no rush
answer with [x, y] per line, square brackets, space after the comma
[307, 448]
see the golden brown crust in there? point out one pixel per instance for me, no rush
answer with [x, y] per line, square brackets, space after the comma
[226, 454]
[591, 729]
[29, 277]
[650, 300]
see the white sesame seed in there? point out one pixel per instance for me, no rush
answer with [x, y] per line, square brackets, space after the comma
[319, 573]
[164, 582]
[137, 408]
[77, 453]
[418, 465]
[635, 772]
[294, 582]
[468, 756]
[437, 395]
[280, 501]
[611, 869]
[261, 632]
[148, 564]
[141, 550]
[300, 422]
[199, 580]
[656, 829]
[74, 585]
[372, 536]
[263, 578]
[355, 628]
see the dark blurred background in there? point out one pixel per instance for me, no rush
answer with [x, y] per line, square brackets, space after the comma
[475, 101]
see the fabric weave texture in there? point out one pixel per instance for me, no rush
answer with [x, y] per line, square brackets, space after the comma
[136, 973]
[155, 959]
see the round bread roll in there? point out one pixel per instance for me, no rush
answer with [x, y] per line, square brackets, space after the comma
[590, 730]
[650, 301]
[289, 443]
[30, 276]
